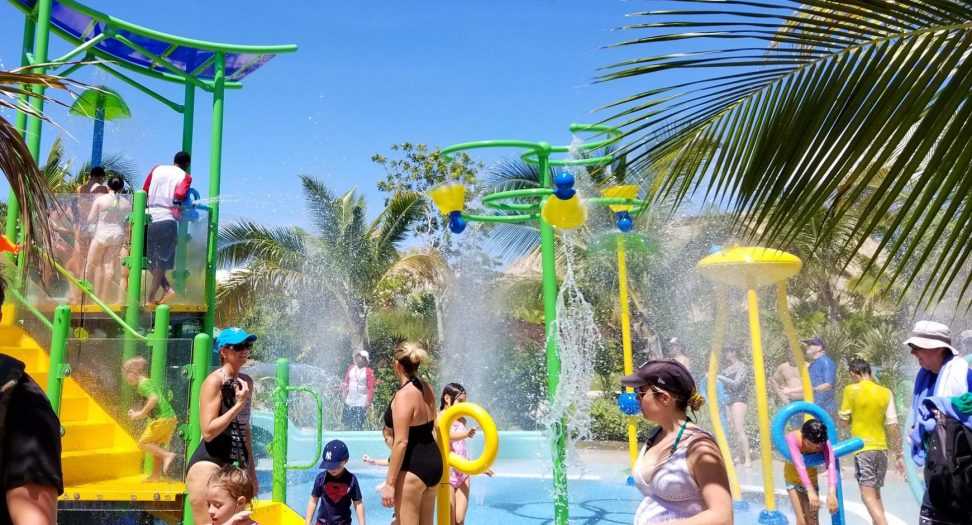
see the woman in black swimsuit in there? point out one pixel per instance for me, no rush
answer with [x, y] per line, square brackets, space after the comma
[224, 417]
[415, 464]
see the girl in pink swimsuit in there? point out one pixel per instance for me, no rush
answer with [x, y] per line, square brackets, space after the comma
[459, 482]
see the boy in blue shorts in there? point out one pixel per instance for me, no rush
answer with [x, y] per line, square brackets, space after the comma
[335, 489]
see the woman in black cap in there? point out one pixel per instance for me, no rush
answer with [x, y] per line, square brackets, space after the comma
[680, 470]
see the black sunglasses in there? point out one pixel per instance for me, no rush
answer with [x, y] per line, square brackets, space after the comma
[239, 347]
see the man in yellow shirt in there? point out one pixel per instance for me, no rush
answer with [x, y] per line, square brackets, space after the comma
[868, 407]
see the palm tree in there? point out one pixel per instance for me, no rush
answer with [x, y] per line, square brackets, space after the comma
[862, 108]
[27, 183]
[340, 264]
[63, 178]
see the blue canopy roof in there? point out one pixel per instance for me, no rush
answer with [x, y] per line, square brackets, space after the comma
[126, 43]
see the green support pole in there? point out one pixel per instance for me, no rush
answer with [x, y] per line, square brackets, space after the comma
[13, 207]
[215, 163]
[279, 445]
[548, 258]
[180, 273]
[159, 345]
[42, 36]
[133, 298]
[59, 369]
[202, 351]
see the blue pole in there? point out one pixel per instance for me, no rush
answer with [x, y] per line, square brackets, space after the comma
[99, 131]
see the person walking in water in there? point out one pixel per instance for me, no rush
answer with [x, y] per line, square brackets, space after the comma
[415, 464]
[357, 391]
[823, 376]
[868, 408]
[736, 378]
[679, 470]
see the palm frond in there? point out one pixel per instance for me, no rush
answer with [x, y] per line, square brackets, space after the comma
[798, 106]
[392, 226]
[244, 241]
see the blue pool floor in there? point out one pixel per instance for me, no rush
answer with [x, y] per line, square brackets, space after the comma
[522, 495]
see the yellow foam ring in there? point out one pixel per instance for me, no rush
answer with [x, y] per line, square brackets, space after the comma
[794, 342]
[627, 191]
[564, 214]
[713, 394]
[762, 403]
[453, 460]
[750, 266]
[449, 198]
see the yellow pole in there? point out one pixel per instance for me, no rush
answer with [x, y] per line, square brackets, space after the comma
[713, 393]
[791, 336]
[762, 404]
[626, 343]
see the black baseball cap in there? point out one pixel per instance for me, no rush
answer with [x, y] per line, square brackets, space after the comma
[666, 374]
[815, 341]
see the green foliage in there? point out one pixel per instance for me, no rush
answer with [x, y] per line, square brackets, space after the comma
[418, 170]
[775, 85]
[608, 423]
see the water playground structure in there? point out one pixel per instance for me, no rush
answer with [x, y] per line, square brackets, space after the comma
[73, 340]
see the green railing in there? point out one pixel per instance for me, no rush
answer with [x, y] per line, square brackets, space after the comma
[278, 447]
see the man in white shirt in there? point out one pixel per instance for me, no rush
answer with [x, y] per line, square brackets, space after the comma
[165, 186]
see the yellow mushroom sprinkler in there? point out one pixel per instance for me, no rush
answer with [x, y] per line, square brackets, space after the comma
[750, 268]
[472, 467]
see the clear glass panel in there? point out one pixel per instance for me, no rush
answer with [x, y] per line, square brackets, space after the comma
[91, 239]
[106, 436]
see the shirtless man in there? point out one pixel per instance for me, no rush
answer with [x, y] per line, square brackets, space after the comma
[676, 351]
[786, 381]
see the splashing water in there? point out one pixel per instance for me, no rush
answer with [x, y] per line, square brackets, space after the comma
[578, 341]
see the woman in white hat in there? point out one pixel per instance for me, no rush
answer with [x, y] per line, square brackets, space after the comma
[357, 391]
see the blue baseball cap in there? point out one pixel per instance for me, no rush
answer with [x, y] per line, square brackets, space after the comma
[334, 453]
[815, 341]
[233, 336]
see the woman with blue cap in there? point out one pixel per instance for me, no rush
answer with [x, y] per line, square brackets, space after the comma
[224, 418]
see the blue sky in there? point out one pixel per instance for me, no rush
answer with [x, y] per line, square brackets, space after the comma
[367, 75]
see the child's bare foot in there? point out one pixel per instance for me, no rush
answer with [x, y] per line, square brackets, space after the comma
[167, 462]
[152, 479]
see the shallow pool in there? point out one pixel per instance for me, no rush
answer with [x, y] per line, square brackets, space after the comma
[521, 492]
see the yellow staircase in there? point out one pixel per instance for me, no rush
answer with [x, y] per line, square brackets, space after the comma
[100, 460]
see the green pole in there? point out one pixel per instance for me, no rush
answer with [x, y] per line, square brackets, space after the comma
[133, 299]
[215, 160]
[548, 262]
[202, 351]
[279, 445]
[13, 207]
[180, 273]
[42, 36]
[59, 369]
[159, 345]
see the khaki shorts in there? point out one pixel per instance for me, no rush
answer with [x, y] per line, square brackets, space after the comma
[159, 432]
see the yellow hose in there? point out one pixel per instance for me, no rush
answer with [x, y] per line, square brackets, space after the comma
[762, 404]
[713, 393]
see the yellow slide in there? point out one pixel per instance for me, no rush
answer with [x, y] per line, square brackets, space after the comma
[101, 461]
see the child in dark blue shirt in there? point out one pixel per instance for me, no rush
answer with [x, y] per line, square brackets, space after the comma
[335, 488]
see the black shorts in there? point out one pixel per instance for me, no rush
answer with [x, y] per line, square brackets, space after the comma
[160, 244]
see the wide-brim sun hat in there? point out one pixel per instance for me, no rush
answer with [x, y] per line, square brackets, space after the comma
[929, 334]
